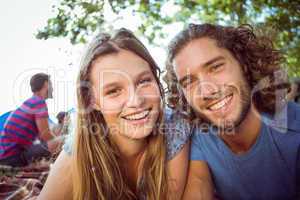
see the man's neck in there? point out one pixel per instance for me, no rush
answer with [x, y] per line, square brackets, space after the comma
[244, 136]
[39, 95]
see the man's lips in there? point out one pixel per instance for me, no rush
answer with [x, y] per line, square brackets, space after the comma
[220, 103]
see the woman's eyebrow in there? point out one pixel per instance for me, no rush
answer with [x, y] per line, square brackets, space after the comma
[146, 72]
[141, 74]
[117, 83]
[110, 85]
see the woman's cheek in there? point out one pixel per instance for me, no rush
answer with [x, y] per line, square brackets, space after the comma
[112, 105]
[153, 93]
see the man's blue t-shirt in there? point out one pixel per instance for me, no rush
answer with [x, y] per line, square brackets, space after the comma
[269, 170]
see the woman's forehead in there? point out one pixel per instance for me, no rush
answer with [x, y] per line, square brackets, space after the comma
[122, 65]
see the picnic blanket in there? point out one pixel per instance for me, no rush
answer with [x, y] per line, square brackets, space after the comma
[23, 183]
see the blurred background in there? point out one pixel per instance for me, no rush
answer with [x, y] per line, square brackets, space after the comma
[49, 36]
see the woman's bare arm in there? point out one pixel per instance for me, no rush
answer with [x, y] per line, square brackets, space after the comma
[58, 185]
[199, 184]
[177, 172]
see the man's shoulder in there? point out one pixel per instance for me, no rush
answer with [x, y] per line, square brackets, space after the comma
[294, 110]
[285, 129]
[34, 102]
[35, 99]
[288, 119]
[294, 117]
[204, 134]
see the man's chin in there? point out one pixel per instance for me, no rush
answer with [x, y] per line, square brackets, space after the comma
[222, 125]
[228, 126]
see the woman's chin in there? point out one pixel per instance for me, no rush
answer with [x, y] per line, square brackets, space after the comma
[138, 133]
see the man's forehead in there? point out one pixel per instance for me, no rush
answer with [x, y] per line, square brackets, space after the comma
[198, 52]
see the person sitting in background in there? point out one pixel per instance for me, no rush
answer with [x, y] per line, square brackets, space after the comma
[26, 135]
[294, 94]
[61, 128]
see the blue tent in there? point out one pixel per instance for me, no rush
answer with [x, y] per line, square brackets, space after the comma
[3, 119]
[6, 115]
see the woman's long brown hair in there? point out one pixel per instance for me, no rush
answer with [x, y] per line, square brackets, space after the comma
[97, 172]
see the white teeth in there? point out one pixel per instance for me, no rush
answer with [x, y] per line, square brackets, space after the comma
[220, 104]
[138, 116]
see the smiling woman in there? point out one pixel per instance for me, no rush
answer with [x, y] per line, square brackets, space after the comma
[127, 95]
[121, 150]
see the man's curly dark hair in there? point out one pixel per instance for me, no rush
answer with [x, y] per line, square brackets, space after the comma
[256, 55]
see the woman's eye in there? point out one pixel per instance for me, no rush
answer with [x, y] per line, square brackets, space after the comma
[113, 92]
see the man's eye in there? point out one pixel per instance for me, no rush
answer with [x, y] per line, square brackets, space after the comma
[215, 67]
[188, 82]
[145, 81]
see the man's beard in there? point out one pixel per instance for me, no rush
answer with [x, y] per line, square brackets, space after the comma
[230, 126]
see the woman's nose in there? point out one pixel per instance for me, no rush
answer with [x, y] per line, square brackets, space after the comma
[135, 99]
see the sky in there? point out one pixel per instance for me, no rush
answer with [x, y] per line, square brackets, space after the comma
[22, 55]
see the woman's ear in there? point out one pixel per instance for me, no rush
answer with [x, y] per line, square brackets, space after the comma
[94, 100]
[96, 106]
[94, 103]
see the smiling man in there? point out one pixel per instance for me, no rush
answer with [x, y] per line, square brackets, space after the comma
[229, 78]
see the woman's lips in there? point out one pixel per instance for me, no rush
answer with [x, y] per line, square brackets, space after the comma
[138, 118]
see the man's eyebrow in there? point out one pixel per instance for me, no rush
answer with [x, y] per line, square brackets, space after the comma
[206, 64]
[211, 61]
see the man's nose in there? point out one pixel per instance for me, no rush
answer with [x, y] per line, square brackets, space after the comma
[208, 90]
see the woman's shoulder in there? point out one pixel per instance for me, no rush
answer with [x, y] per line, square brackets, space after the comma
[177, 130]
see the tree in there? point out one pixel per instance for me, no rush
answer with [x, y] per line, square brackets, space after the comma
[77, 19]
